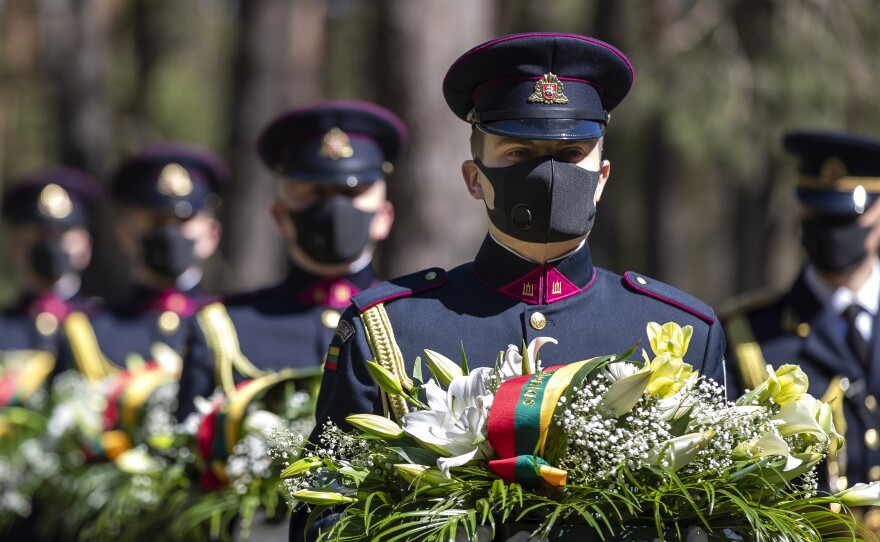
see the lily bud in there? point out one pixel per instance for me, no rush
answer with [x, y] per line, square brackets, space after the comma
[385, 379]
[861, 495]
[322, 498]
[376, 426]
[623, 395]
[421, 474]
[300, 466]
[443, 368]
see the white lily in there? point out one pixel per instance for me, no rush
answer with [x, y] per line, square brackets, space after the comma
[512, 364]
[680, 403]
[861, 495]
[262, 422]
[770, 443]
[679, 451]
[455, 424]
[800, 416]
[623, 394]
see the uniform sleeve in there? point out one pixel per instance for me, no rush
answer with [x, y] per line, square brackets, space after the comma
[346, 387]
[197, 376]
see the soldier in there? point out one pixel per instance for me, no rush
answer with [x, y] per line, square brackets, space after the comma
[826, 322]
[539, 105]
[48, 216]
[331, 159]
[166, 196]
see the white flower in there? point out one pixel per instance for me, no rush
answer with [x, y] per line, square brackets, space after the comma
[512, 364]
[455, 424]
[861, 495]
[263, 423]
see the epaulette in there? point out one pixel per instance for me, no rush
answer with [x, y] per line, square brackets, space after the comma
[670, 295]
[407, 285]
[748, 302]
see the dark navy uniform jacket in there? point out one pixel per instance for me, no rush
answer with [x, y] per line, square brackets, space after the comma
[501, 299]
[19, 329]
[148, 317]
[796, 328]
[288, 325]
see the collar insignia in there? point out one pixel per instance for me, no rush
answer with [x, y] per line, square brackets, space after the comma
[549, 90]
[175, 180]
[336, 145]
[55, 202]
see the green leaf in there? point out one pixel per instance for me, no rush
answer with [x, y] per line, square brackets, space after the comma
[464, 363]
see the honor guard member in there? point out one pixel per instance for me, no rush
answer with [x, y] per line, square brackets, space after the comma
[827, 322]
[331, 159]
[165, 200]
[48, 215]
[539, 105]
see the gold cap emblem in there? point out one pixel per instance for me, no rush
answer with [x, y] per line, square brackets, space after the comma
[175, 180]
[336, 145]
[549, 90]
[55, 202]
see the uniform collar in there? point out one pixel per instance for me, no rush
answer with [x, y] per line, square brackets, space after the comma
[182, 303]
[334, 292]
[867, 297]
[511, 275]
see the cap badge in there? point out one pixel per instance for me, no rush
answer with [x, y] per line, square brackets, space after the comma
[174, 180]
[549, 90]
[55, 202]
[832, 169]
[336, 145]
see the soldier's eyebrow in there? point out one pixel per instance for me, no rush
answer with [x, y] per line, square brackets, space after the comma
[514, 141]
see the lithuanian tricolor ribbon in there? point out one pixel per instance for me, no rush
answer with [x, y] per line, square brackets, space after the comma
[518, 421]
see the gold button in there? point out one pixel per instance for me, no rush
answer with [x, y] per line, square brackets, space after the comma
[47, 323]
[803, 329]
[843, 384]
[330, 318]
[168, 322]
[842, 483]
[537, 320]
[641, 280]
[836, 506]
[871, 439]
[430, 275]
[874, 473]
[871, 403]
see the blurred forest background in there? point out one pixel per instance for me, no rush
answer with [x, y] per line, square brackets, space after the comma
[701, 195]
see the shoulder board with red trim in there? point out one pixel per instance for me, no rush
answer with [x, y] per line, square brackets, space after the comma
[670, 295]
[405, 286]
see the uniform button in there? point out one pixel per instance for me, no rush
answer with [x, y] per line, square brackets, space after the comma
[537, 320]
[168, 322]
[330, 318]
[803, 329]
[871, 403]
[871, 439]
[430, 275]
[842, 483]
[47, 323]
[843, 384]
[874, 473]
[641, 280]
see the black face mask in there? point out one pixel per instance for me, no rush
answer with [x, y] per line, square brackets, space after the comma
[332, 231]
[167, 252]
[834, 243]
[49, 260]
[542, 200]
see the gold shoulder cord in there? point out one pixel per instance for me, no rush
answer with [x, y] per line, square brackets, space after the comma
[836, 456]
[380, 337]
[86, 351]
[749, 358]
[223, 341]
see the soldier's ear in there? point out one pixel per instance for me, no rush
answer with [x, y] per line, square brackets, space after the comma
[471, 175]
[604, 173]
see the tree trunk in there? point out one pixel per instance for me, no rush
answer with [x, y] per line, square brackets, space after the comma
[437, 224]
[278, 65]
